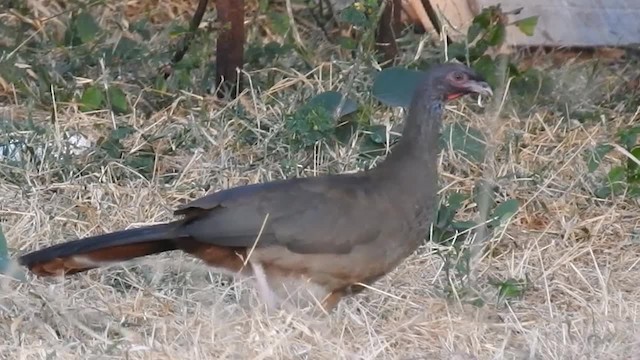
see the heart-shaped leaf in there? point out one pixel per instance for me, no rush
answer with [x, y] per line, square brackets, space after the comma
[527, 25]
[378, 134]
[486, 67]
[595, 156]
[447, 212]
[92, 99]
[86, 27]
[466, 141]
[353, 16]
[457, 51]
[484, 18]
[126, 49]
[504, 211]
[329, 100]
[633, 169]
[510, 289]
[4, 252]
[8, 266]
[474, 30]
[118, 100]
[395, 86]
[628, 136]
[615, 183]
[315, 120]
[347, 43]
[497, 35]
[279, 22]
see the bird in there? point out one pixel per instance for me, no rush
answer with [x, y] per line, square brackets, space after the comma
[321, 237]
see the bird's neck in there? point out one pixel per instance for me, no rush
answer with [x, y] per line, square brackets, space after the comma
[409, 174]
[417, 150]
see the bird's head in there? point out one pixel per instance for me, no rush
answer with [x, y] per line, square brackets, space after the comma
[452, 80]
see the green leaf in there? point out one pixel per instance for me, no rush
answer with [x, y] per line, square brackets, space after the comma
[462, 265]
[8, 266]
[345, 131]
[177, 29]
[279, 22]
[112, 145]
[263, 5]
[510, 289]
[527, 25]
[484, 18]
[86, 27]
[457, 51]
[142, 162]
[628, 137]
[330, 100]
[4, 249]
[586, 115]
[474, 30]
[497, 35]
[353, 16]
[512, 69]
[309, 126]
[118, 100]
[466, 141]
[141, 27]
[633, 192]
[378, 134]
[478, 50]
[259, 54]
[602, 192]
[463, 225]
[347, 43]
[504, 211]
[126, 49]
[616, 174]
[121, 132]
[92, 99]
[274, 49]
[530, 82]
[447, 211]
[369, 150]
[456, 199]
[486, 67]
[477, 302]
[315, 119]
[595, 156]
[395, 86]
[616, 183]
[633, 169]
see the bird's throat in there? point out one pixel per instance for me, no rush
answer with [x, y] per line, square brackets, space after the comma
[416, 153]
[422, 128]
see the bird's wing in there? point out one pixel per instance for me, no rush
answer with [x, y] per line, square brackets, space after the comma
[311, 215]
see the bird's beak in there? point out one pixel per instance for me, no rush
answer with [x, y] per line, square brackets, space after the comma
[479, 87]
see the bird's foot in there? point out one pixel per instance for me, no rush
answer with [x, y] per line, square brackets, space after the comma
[266, 294]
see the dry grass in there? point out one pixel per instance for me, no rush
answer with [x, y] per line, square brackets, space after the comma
[577, 251]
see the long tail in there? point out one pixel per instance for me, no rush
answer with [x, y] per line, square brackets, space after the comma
[95, 251]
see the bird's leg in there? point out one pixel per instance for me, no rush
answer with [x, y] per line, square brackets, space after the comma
[331, 300]
[264, 290]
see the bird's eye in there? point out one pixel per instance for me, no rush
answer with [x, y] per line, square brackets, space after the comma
[458, 76]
